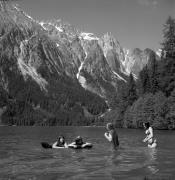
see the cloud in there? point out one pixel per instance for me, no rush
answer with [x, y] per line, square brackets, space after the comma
[153, 3]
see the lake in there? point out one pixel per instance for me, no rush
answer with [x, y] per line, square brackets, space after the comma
[22, 157]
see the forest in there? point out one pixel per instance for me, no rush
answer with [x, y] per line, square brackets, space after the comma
[151, 97]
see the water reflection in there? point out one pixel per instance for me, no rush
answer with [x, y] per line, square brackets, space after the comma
[131, 160]
[151, 162]
[22, 157]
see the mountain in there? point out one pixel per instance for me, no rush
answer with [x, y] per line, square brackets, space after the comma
[52, 73]
[38, 83]
[136, 59]
[119, 61]
[93, 56]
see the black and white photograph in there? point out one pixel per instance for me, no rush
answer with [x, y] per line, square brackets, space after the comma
[87, 89]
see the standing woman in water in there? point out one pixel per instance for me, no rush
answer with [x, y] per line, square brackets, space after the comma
[149, 135]
[111, 135]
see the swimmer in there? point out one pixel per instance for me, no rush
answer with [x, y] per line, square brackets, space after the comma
[60, 143]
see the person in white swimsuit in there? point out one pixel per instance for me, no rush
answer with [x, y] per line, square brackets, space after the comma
[149, 135]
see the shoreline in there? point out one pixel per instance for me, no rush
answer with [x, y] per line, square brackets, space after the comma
[92, 126]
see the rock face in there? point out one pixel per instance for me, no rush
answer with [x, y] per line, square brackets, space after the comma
[100, 63]
[38, 73]
[53, 68]
[96, 61]
[136, 59]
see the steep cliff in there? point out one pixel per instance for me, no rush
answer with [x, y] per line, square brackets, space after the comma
[38, 75]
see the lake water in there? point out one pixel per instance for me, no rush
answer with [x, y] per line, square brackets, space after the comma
[22, 157]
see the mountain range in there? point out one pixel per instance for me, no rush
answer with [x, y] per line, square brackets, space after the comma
[53, 71]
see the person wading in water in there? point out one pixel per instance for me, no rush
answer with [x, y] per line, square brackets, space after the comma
[111, 135]
[149, 135]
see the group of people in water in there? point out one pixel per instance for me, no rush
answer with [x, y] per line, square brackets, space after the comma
[78, 143]
[111, 135]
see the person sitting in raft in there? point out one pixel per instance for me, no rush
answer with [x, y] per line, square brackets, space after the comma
[78, 143]
[149, 135]
[111, 135]
[60, 143]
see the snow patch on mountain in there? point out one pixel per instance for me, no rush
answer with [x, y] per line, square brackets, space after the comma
[118, 76]
[25, 14]
[79, 69]
[88, 36]
[59, 28]
[80, 78]
[42, 23]
[82, 81]
[128, 61]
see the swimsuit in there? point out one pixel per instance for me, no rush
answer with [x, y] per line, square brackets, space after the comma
[150, 141]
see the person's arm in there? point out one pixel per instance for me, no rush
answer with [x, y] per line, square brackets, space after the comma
[85, 144]
[108, 136]
[57, 147]
[144, 140]
[72, 145]
[65, 145]
[54, 145]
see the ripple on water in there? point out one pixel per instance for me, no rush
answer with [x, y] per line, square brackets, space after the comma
[22, 157]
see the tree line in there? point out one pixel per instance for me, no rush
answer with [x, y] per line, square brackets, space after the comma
[152, 96]
[64, 103]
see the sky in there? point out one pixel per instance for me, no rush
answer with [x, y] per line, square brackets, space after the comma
[134, 23]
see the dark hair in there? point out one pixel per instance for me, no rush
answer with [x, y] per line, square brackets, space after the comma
[79, 140]
[147, 125]
[110, 126]
[60, 138]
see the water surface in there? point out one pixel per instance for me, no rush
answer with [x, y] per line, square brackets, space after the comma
[22, 157]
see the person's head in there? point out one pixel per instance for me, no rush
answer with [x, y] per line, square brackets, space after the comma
[146, 125]
[79, 140]
[61, 139]
[109, 126]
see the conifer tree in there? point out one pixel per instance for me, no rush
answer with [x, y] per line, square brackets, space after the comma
[131, 91]
[154, 87]
[144, 80]
[168, 45]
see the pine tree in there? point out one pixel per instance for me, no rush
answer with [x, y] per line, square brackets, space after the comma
[171, 114]
[131, 91]
[154, 87]
[168, 45]
[144, 80]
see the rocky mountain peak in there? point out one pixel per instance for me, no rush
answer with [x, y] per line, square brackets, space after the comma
[110, 39]
[136, 59]
[137, 51]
